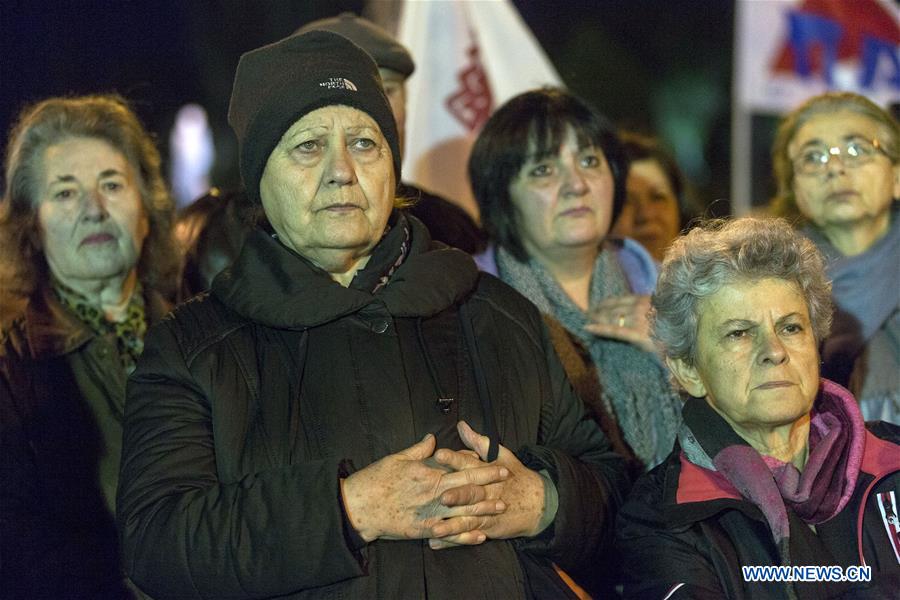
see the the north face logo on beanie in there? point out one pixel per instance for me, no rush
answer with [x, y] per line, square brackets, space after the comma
[338, 83]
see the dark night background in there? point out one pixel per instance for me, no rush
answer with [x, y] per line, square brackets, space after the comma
[653, 65]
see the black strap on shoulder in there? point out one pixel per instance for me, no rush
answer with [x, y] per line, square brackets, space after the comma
[481, 382]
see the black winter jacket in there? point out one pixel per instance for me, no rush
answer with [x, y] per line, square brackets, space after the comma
[683, 535]
[250, 403]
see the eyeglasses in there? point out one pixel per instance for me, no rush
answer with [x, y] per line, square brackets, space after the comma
[813, 160]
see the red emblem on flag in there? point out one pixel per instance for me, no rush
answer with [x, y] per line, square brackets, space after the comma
[471, 104]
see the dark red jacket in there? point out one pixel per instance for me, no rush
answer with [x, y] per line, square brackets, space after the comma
[57, 531]
[685, 532]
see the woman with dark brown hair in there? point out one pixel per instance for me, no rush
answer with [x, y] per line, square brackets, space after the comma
[548, 172]
[656, 207]
[84, 238]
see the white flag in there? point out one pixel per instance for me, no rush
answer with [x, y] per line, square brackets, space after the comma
[470, 58]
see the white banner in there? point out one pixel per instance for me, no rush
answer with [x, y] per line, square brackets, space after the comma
[470, 58]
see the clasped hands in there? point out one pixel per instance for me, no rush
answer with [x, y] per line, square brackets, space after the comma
[450, 497]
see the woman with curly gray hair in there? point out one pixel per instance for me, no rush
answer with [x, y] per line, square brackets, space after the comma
[86, 247]
[773, 465]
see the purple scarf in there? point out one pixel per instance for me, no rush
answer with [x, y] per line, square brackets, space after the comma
[821, 491]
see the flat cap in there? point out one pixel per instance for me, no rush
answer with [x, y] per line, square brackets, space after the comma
[387, 52]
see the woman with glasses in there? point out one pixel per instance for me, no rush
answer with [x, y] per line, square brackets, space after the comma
[837, 165]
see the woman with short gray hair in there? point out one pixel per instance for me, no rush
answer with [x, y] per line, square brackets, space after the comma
[773, 463]
[700, 263]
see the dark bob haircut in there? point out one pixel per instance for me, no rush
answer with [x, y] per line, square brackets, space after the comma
[532, 123]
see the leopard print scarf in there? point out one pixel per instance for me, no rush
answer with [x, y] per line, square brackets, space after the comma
[129, 332]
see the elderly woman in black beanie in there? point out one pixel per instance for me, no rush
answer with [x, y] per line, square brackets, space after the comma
[211, 229]
[282, 432]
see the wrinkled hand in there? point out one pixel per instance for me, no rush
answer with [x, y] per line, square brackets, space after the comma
[623, 318]
[398, 497]
[522, 494]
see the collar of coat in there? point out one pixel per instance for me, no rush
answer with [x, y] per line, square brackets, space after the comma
[696, 493]
[272, 285]
[46, 329]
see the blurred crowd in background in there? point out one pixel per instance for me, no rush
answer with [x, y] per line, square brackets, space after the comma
[580, 154]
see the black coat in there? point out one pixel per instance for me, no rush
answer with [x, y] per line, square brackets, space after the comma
[683, 536]
[250, 403]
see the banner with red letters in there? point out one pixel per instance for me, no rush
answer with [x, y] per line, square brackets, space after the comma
[789, 50]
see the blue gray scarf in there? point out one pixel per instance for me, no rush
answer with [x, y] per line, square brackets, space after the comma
[864, 286]
[867, 302]
[636, 385]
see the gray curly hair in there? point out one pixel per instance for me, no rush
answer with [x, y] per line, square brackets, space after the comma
[722, 251]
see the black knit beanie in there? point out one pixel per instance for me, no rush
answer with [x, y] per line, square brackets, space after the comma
[278, 84]
[387, 52]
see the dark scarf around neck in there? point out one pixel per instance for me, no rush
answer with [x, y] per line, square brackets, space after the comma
[128, 332]
[273, 285]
